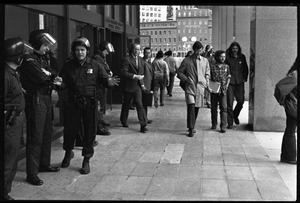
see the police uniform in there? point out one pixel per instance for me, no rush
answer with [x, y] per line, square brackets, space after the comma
[13, 98]
[38, 110]
[81, 81]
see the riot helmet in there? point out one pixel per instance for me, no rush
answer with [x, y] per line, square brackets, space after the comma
[15, 48]
[80, 41]
[39, 37]
[106, 45]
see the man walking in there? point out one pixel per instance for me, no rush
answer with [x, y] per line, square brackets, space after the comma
[239, 74]
[132, 75]
[194, 72]
[172, 71]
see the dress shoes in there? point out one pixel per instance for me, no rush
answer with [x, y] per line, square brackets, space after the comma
[85, 166]
[67, 159]
[6, 197]
[149, 121]
[125, 125]
[193, 130]
[236, 121]
[213, 127]
[288, 162]
[34, 180]
[49, 169]
[143, 129]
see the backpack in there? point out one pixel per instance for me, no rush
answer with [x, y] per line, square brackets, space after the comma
[285, 86]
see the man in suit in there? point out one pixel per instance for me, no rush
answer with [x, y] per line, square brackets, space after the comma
[149, 75]
[132, 74]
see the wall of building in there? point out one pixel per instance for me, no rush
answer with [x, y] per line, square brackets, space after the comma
[275, 51]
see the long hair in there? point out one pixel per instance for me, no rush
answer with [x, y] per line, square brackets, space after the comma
[229, 50]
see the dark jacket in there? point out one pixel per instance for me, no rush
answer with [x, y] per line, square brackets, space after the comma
[238, 68]
[13, 94]
[84, 79]
[32, 77]
[149, 75]
[128, 69]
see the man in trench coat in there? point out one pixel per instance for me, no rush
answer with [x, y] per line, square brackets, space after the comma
[194, 72]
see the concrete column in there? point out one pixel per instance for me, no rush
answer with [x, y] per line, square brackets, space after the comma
[215, 27]
[223, 27]
[229, 26]
[275, 52]
[242, 35]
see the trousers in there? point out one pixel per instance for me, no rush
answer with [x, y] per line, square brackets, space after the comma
[236, 91]
[77, 119]
[38, 110]
[11, 148]
[288, 146]
[221, 100]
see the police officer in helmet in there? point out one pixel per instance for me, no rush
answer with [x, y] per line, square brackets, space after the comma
[81, 76]
[104, 48]
[38, 80]
[14, 49]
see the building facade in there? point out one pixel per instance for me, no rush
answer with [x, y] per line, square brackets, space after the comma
[152, 13]
[118, 24]
[193, 25]
[163, 36]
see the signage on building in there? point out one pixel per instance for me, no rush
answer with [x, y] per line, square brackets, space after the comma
[114, 25]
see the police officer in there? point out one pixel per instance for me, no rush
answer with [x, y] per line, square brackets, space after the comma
[14, 49]
[81, 76]
[38, 79]
[104, 48]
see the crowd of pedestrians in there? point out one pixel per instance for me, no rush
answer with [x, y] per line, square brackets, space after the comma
[214, 78]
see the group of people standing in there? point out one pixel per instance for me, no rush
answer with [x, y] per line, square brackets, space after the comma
[29, 82]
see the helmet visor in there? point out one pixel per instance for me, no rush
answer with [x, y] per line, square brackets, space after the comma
[47, 38]
[27, 48]
[110, 48]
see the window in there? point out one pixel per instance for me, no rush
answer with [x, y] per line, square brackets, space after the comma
[200, 22]
[174, 39]
[159, 40]
[179, 14]
[159, 32]
[151, 32]
[179, 39]
[164, 40]
[179, 23]
[183, 31]
[205, 22]
[159, 15]
[183, 23]
[178, 31]
[155, 9]
[184, 14]
[155, 40]
[169, 32]
[189, 30]
[190, 13]
[190, 22]
[170, 39]
[179, 48]
[147, 14]
[165, 32]
[151, 9]
[151, 14]
[155, 32]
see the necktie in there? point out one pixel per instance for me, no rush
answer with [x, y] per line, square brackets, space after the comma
[137, 61]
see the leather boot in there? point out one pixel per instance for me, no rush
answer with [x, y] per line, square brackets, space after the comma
[67, 159]
[85, 166]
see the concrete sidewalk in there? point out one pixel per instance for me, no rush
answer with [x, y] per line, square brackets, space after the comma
[165, 164]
